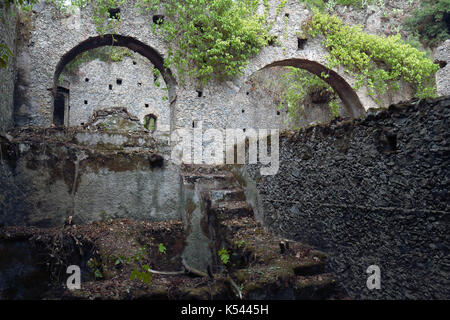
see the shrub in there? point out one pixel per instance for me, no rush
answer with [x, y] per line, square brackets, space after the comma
[379, 63]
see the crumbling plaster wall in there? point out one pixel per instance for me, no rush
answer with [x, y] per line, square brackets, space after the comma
[8, 75]
[52, 35]
[96, 82]
[50, 174]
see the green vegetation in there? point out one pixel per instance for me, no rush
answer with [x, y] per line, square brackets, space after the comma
[5, 54]
[299, 84]
[144, 274]
[431, 22]
[95, 266]
[211, 38]
[329, 5]
[379, 63]
[142, 271]
[224, 255]
[162, 248]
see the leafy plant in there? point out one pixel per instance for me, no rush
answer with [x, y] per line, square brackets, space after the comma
[144, 274]
[224, 256]
[240, 243]
[210, 38]
[162, 248]
[379, 63]
[5, 54]
[95, 266]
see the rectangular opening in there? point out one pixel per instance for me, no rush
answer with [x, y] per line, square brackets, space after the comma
[301, 42]
[119, 81]
[114, 13]
[59, 106]
[158, 19]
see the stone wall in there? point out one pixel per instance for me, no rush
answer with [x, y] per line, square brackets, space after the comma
[370, 191]
[87, 173]
[442, 57]
[128, 83]
[7, 76]
[52, 38]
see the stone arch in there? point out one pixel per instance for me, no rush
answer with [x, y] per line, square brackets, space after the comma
[119, 41]
[349, 98]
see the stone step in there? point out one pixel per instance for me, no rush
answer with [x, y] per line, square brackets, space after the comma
[205, 168]
[232, 209]
[231, 194]
[309, 268]
[319, 287]
[268, 282]
[217, 180]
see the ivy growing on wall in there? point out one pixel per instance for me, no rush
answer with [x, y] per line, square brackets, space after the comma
[212, 38]
[379, 63]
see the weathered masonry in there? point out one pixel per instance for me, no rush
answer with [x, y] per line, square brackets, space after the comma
[49, 41]
[373, 191]
[369, 188]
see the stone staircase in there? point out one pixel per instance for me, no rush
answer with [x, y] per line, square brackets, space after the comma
[261, 265]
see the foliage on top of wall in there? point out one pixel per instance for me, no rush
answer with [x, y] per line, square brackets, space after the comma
[208, 38]
[379, 63]
[212, 38]
[431, 22]
[329, 5]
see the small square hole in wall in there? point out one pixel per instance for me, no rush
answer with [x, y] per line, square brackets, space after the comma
[85, 102]
[243, 110]
[272, 41]
[199, 93]
[110, 87]
[278, 113]
[114, 13]
[86, 79]
[134, 62]
[286, 15]
[119, 81]
[139, 84]
[301, 42]
[195, 123]
[146, 105]
[158, 19]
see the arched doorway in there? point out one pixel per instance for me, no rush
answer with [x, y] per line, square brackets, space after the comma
[155, 65]
[346, 93]
[262, 100]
